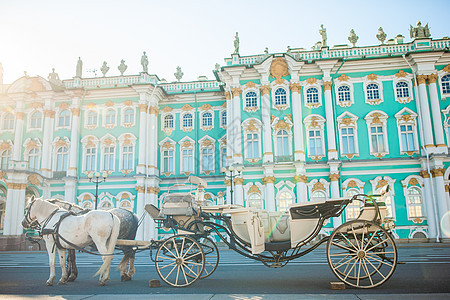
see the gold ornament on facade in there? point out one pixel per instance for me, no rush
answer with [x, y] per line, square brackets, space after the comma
[343, 77]
[2, 175]
[295, 87]
[418, 220]
[153, 110]
[49, 113]
[254, 189]
[311, 80]
[432, 78]
[281, 125]
[318, 186]
[401, 74]
[406, 118]
[36, 105]
[167, 109]
[413, 181]
[373, 101]
[279, 81]
[379, 155]
[265, 89]
[253, 160]
[238, 181]
[224, 105]
[236, 92]
[153, 190]
[372, 76]
[108, 142]
[347, 121]
[32, 144]
[63, 143]
[167, 145]
[272, 118]
[289, 116]
[352, 184]
[424, 174]
[33, 179]
[269, 179]
[187, 144]
[334, 176]
[301, 178]
[327, 85]
[206, 107]
[63, 105]
[227, 182]
[186, 107]
[142, 107]
[140, 189]
[350, 155]
[422, 79]
[207, 196]
[75, 111]
[314, 122]
[20, 115]
[207, 172]
[125, 172]
[438, 172]
[250, 84]
[227, 96]
[91, 105]
[279, 68]
[223, 142]
[17, 186]
[446, 68]
[206, 143]
[128, 102]
[109, 103]
[381, 183]
[447, 187]
[317, 157]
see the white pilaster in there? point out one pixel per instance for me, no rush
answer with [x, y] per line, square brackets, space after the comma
[436, 113]
[152, 140]
[430, 211]
[238, 191]
[15, 203]
[267, 131]
[70, 189]
[299, 149]
[425, 112]
[237, 130]
[18, 132]
[331, 136]
[141, 167]
[230, 128]
[74, 139]
[140, 203]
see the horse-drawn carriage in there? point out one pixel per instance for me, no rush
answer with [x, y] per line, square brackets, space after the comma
[361, 252]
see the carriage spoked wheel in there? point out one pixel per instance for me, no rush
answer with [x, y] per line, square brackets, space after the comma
[362, 254]
[180, 261]
[211, 256]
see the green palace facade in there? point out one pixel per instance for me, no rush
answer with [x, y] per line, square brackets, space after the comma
[271, 129]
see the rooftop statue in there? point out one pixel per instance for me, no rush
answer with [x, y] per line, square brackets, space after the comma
[236, 44]
[79, 67]
[144, 63]
[381, 35]
[266, 52]
[104, 68]
[178, 74]
[323, 33]
[122, 67]
[419, 31]
[288, 51]
[53, 78]
[353, 38]
[217, 67]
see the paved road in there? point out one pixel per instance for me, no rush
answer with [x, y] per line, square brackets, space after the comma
[427, 270]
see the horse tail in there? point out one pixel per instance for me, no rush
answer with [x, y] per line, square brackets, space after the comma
[111, 244]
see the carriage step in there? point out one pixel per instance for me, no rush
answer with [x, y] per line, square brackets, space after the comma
[276, 265]
[133, 243]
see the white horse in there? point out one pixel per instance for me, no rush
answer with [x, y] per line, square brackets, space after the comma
[100, 227]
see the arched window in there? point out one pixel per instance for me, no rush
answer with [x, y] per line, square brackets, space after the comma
[354, 207]
[254, 200]
[318, 195]
[223, 120]
[280, 96]
[8, 122]
[91, 118]
[285, 200]
[125, 204]
[105, 205]
[282, 143]
[36, 120]
[373, 91]
[62, 154]
[344, 93]
[445, 80]
[250, 99]
[187, 120]
[207, 119]
[128, 116]
[110, 117]
[33, 159]
[5, 157]
[87, 205]
[64, 118]
[414, 202]
[168, 122]
[312, 95]
[402, 89]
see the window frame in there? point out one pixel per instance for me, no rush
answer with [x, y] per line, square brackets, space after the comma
[317, 123]
[379, 119]
[183, 120]
[31, 120]
[11, 120]
[123, 116]
[88, 115]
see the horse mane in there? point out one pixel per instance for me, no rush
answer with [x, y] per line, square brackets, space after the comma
[66, 205]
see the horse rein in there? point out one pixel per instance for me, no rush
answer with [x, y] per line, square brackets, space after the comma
[34, 224]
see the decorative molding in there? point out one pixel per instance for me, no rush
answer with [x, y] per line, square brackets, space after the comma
[318, 186]
[432, 78]
[140, 189]
[422, 79]
[236, 92]
[424, 174]
[109, 103]
[327, 85]
[166, 109]
[372, 76]
[438, 172]
[279, 68]
[295, 87]
[206, 106]
[381, 183]
[186, 107]
[343, 77]
[128, 103]
[153, 110]
[311, 80]
[227, 96]
[19, 115]
[301, 178]
[269, 179]
[17, 186]
[5, 146]
[413, 181]
[401, 74]
[265, 89]
[75, 111]
[250, 84]
[238, 181]
[33, 179]
[63, 105]
[49, 113]
[334, 176]
[142, 107]
[153, 190]
[254, 189]
[446, 68]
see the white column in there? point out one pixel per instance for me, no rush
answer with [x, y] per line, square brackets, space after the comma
[15, 203]
[237, 130]
[335, 193]
[150, 230]
[140, 203]
[302, 195]
[441, 198]
[141, 167]
[299, 149]
[331, 137]
[425, 111]
[74, 138]
[152, 141]
[46, 167]
[267, 134]
[270, 193]
[431, 213]
[70, 189]
[18, 132]
[229, 129]
[436, 112]
[238, 191]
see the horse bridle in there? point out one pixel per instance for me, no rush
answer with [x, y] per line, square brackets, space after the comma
[33, 224]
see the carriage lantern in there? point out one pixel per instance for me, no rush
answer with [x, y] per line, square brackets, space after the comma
[97, 180]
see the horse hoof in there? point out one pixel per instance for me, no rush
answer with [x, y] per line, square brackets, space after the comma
[71, 278]
[48, 283]
[101, 283]
[125, 277]
[61, 282]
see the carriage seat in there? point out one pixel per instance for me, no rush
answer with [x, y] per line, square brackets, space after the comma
[178, 204]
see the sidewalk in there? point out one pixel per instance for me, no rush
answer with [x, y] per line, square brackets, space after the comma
[234, 297]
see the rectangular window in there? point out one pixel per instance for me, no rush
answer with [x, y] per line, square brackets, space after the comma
[61, 162]
[207, 159]
[407, 138]
[223, 157]
[348, 140]
[315, 143]
[108, 158]
[377, 137]
[252, 145]
[168, 161]
[127, 157]
[188, 164]
[90, 159]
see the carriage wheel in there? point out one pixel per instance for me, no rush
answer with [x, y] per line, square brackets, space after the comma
[180, 261]
[211, 256]
[361, 254]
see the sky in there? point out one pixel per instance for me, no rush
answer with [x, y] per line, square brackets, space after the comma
[36, 36]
